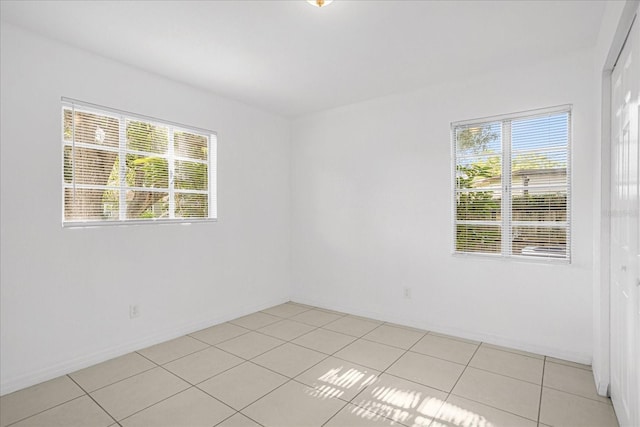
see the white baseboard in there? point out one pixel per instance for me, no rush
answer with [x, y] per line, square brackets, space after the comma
[577, 357]
[19, 382]
[602, 386]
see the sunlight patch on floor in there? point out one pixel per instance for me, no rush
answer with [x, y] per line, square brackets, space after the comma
[409, 407]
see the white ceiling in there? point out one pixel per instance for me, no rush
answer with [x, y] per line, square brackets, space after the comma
[291, 58]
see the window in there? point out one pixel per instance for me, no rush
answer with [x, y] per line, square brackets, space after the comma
[512, 185]
[124, 168]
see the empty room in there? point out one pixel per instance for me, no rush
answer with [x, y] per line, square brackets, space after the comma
[320, 213]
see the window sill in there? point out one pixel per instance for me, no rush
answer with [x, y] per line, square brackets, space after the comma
[512, 258]
[118, 223]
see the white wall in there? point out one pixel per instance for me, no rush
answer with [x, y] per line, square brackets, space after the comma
[65, 293]
[372, 213]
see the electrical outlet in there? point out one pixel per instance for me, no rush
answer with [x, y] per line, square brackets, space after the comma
[407, 292]
[134, 311]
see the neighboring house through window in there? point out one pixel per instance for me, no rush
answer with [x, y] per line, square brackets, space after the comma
[512, 185]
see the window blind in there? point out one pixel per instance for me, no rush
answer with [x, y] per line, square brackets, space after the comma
[120, 167]
[512, 185]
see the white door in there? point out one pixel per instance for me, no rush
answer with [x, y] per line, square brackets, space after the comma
[625, 233]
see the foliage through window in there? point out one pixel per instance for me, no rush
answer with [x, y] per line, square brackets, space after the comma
[512, 185]
[122, 168]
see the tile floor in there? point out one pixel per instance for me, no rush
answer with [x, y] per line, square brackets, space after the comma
[295, 365]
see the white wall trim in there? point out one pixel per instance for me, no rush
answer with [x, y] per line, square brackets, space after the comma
[62, 368]
[583, 358]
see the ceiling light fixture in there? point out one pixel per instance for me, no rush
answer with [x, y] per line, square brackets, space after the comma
[319, 3]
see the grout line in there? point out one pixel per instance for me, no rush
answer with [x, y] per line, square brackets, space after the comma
[353, 339]
[253, 401]
[506, 376]
[224, 340]
[120, 380]
[609, 403]
[567, 364]
[221, 421]
[215, 346]
[283, 317]
[251, 360]
[289, 379]
[94, 400]
[464, 370]
[541, 389]
[494, 407]
[243, 415]
[454, 338]
[436, 357]
[384, 371]
[484, 403]
[175, 394]
[364, 337]
[155, 403]
[289, 340]
[157, 365]
[513, 351]
[278, 319]
[177, 358]
[478, 368]
[335, 413]
[259, 354]
[45, 410]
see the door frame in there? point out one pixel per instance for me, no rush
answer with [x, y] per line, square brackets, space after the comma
[602, 289]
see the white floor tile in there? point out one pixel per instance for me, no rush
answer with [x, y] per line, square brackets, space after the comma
[352, 326]
[250, 345]
[445, 348]
[80, 412]
[338, 378]
[242, 385]
[255, 320]
[285, 310]
[203, 365]
[355, 416]
[289, 359]
[402, 401]
[508, 394]
[510, 364]
[171, 350]
[38, 398]
[238, 420]
[367, 353]
[219, 333]
[430, 371]
[134, 394]
[293, 405]
[315, 317]
[111, 371]
[286, 329]
[572, 380]
[324, 340]
[397, 337]
[191, 407]
[458, 411]
[564, 409]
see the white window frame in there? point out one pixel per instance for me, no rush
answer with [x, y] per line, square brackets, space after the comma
[122, 151]
[506, 223]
